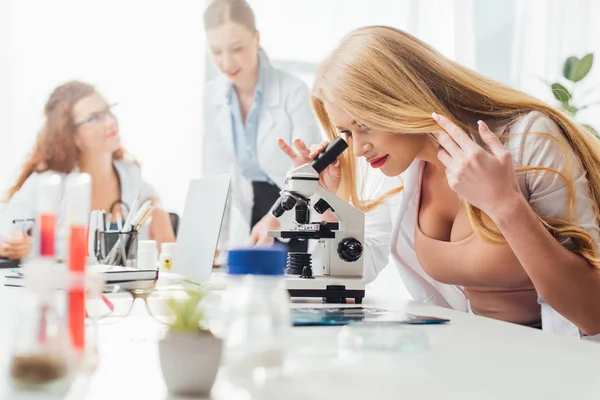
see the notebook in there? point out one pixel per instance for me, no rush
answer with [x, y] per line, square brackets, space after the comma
[112, 275]
[116, 274]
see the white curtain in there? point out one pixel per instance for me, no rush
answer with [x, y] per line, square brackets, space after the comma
[146, 55]
[546, 33]
[305, 31]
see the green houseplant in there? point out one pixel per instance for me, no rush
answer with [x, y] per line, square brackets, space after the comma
[574, 71]
[190, 354]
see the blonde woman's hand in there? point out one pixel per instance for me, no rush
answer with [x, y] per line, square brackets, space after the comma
[330, 178]
[16, 247]
[486, 180]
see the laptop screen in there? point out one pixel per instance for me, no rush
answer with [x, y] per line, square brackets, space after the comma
[200, 227]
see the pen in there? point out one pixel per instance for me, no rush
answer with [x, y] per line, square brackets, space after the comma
[145, 217]
[108, 303]
[103, 222]
[130, 225]
[133, 209]
[121, 242]
[119, 222]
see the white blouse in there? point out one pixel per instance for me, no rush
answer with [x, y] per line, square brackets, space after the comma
[390, 228]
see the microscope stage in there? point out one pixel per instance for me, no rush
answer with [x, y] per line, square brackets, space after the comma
[331, 288]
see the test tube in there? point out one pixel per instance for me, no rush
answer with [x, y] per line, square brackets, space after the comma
[48, 198]
[78, 204]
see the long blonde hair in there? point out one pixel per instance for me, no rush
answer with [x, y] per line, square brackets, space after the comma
[391, 81]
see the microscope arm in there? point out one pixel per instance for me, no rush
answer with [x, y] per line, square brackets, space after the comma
[349, 218]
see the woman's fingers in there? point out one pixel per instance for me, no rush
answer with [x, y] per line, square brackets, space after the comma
[263, 240]
[286, 149]
[302, 149]
[316, 149]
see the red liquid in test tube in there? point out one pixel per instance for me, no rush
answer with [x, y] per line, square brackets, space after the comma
[76, 296]
[47, 206]
[78, 196]
[47, 234]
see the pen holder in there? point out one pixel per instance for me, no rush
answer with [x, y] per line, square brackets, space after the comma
[118, 248]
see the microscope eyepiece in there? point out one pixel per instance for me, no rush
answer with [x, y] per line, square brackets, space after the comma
[329, 155]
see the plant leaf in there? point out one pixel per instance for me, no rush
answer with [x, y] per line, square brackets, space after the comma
[187, 312]
[572, 110]
[568, 67]
[582, 68]
[561, 93]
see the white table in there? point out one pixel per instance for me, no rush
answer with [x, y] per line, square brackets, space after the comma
[470, 358]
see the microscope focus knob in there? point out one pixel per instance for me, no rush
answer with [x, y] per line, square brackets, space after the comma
[350, 249]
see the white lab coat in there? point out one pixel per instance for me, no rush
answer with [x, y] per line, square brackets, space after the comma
[390, 228]
[285, 113]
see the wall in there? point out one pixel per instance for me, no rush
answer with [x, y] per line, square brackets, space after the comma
[494, 24]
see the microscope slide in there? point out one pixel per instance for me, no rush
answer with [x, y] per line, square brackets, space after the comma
[347, 315]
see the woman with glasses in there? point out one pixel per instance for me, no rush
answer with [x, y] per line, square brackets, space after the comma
[80, 133]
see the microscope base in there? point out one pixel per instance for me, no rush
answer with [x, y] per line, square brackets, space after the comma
[330, 289]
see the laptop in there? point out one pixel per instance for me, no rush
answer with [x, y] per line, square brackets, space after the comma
[200, 227]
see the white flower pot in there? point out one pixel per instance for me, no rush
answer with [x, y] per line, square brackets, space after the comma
[190, 362]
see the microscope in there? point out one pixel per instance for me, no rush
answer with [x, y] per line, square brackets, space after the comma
[332, 269]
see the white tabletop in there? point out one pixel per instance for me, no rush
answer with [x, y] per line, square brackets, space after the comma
[470, 358]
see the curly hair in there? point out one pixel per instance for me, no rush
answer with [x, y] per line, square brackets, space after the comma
[55, 147]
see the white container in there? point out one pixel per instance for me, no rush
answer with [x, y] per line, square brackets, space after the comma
[148, 245]
[147, 255]
[256, 313]
[166, 256]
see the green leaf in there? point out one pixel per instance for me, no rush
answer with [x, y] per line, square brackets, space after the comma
[188, 317]
[561, 93]
[568, 67]
[582, 68]
[572, 110]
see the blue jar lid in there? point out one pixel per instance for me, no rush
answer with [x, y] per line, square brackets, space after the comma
[257, 261]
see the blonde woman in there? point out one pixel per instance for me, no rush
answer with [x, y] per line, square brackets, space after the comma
[499, 205]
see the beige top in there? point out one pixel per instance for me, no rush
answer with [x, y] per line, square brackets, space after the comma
[516, 304]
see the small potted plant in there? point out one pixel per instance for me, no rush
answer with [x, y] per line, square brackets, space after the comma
[190, 354]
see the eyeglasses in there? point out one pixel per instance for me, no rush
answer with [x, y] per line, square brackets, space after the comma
[98, 117]
[122, 300]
